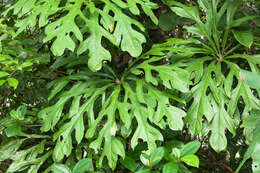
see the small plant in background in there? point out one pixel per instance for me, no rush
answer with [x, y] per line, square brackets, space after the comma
[166, 160]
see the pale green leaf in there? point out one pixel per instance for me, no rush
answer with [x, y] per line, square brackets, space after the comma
[83, 165]
[191, 160]
[7, 150]
[251, 78]
[2, 82]
[62, 28]
[13, 82]
[3, 74]
[60, 168]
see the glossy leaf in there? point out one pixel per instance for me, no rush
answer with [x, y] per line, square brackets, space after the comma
[13, 82]
[170, 167]
[191, 160]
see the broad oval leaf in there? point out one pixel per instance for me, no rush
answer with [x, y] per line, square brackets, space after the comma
[60, 168]
[171, 167]
[84, 165]
[190, 148]
[191, 160]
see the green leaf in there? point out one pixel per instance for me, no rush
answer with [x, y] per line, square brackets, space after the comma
[83, 165]
[129, 163]
[61, 29]
[183, 169]
[191, 160]
[13, 130]
[93, 44]
[187, 12]
[16, 115]
[252, 122]
[13, 82]
[21, 163]
[200, 105]
[2, 82]
[143, 171]
[19, 113]
[131, 39]
[176, 152]
[144, 130]
[87, 18]
[251, 78]
[157, 156]
[221, 121]
[238, 22]
[170, 167]
[171, 75]
[168, 21]
[190, 148]
[60, 168]
[244, 37]
[113, 147]
[58, 153]
[9, 149]
[256, 160]
[57, 88]
[52, 114]
[3, 74]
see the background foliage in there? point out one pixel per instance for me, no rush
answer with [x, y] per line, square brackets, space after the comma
[129, 86]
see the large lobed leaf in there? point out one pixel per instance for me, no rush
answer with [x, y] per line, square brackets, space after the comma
[84, 22]
[104, 109]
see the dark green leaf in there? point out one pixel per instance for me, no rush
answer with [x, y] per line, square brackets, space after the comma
[170, 167]
[244, 37]
[129, 163]
[83, 165]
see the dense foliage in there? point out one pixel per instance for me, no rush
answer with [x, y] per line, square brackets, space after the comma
[130, 86]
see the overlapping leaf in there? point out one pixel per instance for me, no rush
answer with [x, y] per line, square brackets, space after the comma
[218, 86]
[78, 18]
[97, 99]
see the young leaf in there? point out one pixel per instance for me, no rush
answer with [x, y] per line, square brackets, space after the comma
[191, 160]
[13, 82]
